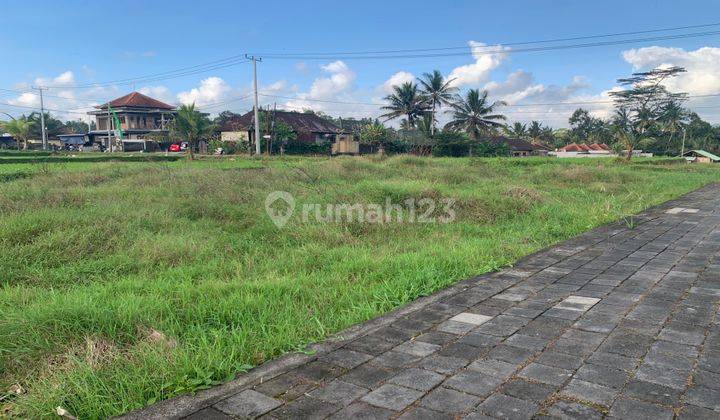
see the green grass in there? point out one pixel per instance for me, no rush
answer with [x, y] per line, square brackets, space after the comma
[127, 283]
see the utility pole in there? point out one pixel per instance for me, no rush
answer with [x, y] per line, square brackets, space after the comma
[257, 117]
[42, 119]
[682, 148]
[110, 143]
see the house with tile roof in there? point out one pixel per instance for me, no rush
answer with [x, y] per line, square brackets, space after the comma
[140, 117]
[308, 127]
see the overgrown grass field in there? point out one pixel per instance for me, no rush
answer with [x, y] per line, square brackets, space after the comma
[124, 283]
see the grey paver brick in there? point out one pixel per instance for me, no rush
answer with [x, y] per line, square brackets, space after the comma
[573, 410]
[417, 348]
[346, 358]
[613, 360]
[507, 407]
[525, 390]
[420, 413]
[587, 391]
[449, 401]
[703, 397]
[395, 359]
[651, 392]
[492, 367]
[527, 342]
[208, 413]
[306, 407]
[442, 364]
[561, 360]
[436, 337]
[420, 379]
[338, 392]
[368, 375]
[545, 374]
[392, 397]
[480, 340]
[473, 382]
[626, 408]
[660, 375]
[511, 354]
[318, 371]
[602, 375]
[248, 403]
[464, 351]
[693, 412]
[370, 344]
[363, 411]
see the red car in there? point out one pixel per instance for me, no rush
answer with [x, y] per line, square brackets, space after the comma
[175, 147]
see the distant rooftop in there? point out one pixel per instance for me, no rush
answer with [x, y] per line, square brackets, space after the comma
[136, 100]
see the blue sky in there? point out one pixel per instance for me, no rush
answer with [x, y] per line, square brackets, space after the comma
[62, 44]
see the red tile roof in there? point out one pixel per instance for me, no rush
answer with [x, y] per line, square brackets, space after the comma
[572, 147]
[136, 100]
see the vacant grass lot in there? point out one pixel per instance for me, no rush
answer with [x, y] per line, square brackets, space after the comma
[126, 283]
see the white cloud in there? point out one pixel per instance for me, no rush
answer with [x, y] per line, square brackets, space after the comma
[328, 92]
[213, 89]
[161, 93]
[341, 80]
[396, 79]
[703, 67]
[479, 71]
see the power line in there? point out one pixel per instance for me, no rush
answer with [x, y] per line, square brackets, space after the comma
[509, 105]
[501, 50]
[575, 38]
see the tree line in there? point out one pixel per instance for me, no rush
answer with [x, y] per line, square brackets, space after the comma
[646, 116]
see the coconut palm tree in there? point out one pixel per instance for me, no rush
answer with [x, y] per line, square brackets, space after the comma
[672, 120]
[20, 129]
[192, 126]
[517, 130]
[474, 115]
[438, 92]
[405, 101]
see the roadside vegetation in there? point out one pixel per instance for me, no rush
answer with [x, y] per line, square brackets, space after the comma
[127, 283]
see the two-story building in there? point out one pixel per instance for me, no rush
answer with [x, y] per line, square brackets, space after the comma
[139, 116]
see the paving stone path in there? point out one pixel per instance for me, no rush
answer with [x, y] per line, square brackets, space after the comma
[620, 322]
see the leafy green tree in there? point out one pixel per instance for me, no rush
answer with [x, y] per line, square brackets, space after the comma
[672, 120]
[76, 127]
[426, 125]
[224, 117]
[192, 126]
[702, 135]
[20, 129]
[645, 99]
[375, 135]
[405, 101]
[517, 130]
[540, 134]
[438, 91]
[53, 126]
[475, 115]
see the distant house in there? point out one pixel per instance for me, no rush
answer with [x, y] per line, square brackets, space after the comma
[75, 140]
[517, 147]
[7, 141]
[584, 150]
[309, 127]
[701, 156]
[139, 115]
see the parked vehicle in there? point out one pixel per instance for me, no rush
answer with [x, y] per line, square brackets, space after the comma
[175, 147]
